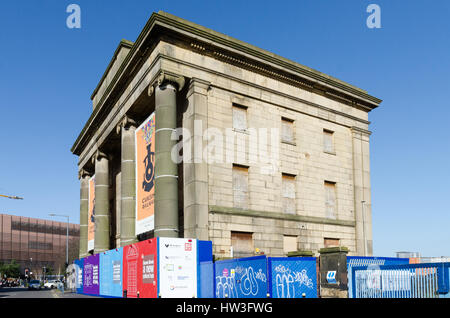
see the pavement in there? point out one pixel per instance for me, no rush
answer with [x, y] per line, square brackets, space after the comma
[21, 292]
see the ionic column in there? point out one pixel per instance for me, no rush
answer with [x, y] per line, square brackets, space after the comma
[102, 209]
[84, 204]
[166, 172]
[361, 188]
[127, 128]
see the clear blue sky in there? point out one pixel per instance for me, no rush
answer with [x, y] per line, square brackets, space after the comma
[48, 72]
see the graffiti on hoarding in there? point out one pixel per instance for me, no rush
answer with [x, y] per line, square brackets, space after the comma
[287, 279]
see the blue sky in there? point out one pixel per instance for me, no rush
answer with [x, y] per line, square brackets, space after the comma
[48, 72]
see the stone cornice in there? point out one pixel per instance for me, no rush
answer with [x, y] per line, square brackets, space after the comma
[222, 47]
[230, 44]
[273, 91]
[122, 43]
[279, 216]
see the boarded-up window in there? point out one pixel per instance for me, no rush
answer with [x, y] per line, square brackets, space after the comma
[287, 130]
[240, 187]
[330, 199]
[288, 193]
[331, 242]
[239, 117]
[242, 243]
[328, 141]
[289, 244]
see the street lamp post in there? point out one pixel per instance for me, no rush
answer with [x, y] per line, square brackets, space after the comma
[67, 235]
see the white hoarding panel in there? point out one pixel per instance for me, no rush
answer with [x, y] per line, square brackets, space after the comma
[177, 267]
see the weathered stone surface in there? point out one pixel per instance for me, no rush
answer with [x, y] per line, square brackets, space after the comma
[219, 76]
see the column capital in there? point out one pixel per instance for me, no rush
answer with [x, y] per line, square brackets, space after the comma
[84, 173]
[360, 131]
[98, 155]
[126, 122]
[197, 85]
[164, 77]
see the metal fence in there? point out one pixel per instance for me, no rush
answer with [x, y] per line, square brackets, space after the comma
[400, 281]
[353, 261]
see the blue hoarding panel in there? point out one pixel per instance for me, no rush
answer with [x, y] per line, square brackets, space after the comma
[111, 273]
[204, 251]
[291, 277]
[79, 264]
[241, 278]
[206, 280]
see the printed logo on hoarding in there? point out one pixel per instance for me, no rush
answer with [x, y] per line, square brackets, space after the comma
[331, 277]
[149, 174]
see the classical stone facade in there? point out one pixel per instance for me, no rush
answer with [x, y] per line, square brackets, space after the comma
[311, 187]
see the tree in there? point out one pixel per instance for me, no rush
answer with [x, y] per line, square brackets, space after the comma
[11, 270]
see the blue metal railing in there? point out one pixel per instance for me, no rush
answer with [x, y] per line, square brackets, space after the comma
[354, 261]
[400, 281]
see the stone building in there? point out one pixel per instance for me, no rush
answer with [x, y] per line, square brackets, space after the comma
[302, 184]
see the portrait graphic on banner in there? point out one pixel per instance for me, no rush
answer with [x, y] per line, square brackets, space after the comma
[91, 213]
[145, 175]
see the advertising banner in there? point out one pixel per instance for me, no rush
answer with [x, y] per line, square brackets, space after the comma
[130, 271]
[79, 264]
[177, 267]
[91, 213]
[140, 269]
[148, 269]
[145, 175]
[91, 275]
[111, 273]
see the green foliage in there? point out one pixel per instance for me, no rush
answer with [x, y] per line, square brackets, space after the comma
[11, 270]
[49, 270]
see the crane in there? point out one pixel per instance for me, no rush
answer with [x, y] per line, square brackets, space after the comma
[11, 197]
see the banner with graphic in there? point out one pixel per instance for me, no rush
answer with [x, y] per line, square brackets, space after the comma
[145, 175]
[177, 267]
[111, 273]
[91, 213]
[91, 275]
[147, 269]
[130, 270]
[79, 266]
[140, 275]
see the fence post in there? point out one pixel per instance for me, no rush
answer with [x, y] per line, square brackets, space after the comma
[333, 272]
[443, 277]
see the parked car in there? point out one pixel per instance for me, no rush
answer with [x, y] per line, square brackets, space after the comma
[34, 284]
[51, 284]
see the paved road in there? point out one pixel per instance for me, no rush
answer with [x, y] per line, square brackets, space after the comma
[20, 292]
